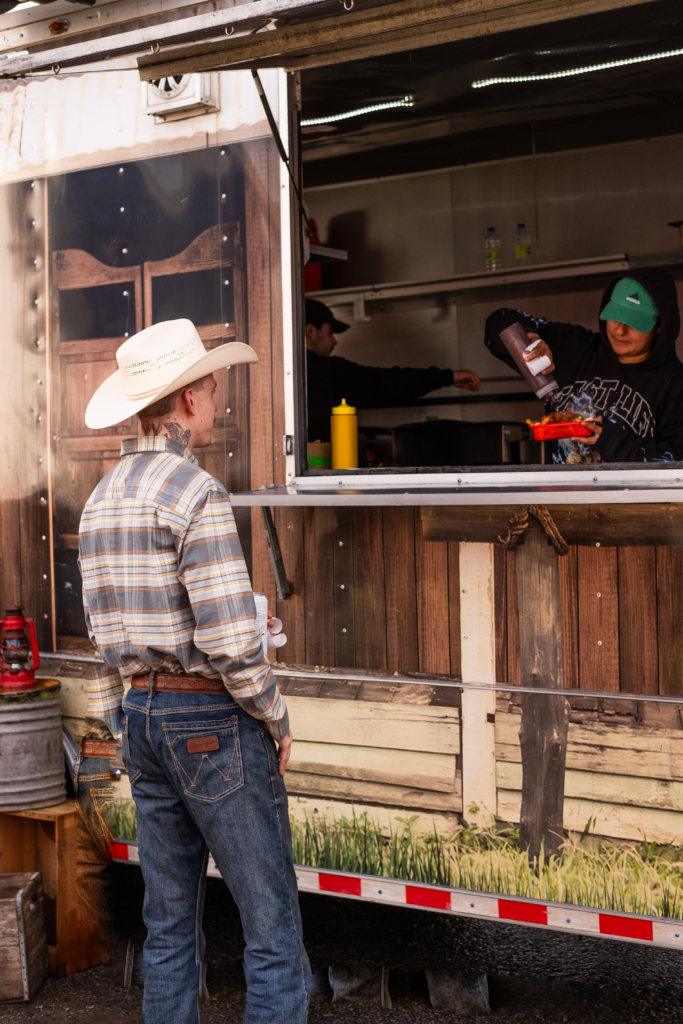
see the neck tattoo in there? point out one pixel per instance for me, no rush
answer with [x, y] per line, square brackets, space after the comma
[173, 431]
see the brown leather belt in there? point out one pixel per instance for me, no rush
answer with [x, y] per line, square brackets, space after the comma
[178, 683]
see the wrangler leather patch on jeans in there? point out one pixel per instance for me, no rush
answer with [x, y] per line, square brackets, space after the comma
[200, 746]
[209, 767]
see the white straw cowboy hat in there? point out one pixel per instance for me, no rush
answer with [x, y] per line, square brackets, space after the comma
[155, 362]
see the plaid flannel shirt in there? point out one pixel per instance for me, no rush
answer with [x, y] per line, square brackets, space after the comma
[165, 585]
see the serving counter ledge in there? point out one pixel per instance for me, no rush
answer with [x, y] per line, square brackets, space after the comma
[620, 484]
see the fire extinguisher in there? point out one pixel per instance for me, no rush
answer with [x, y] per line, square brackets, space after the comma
[19, 648]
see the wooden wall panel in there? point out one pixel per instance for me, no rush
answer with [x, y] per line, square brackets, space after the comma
[342, 560]
[370, 618]
[638, 668]
[501, 611]
[670, 619]
[401, 589]
[454, 608]
[637, 619]
[289, 523]
[514, 675]
[319, 529]
[569, 569]
[431, 572]
[25, 562]
[263, 302]
[598, 618]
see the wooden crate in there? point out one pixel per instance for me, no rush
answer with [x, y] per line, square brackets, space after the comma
[46, 840]
[23, 938]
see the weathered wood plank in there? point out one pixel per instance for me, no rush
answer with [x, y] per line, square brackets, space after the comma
[369, 607]
[478, 707]
[344, 625]
[332, 40]
[290, 528]
[416, 769]
[317, 807]
[598, 619]
[545, 718]
[454, 608]
[431, 571]
[514, 675]
[257, 198]
[607, 525]
[500, 602]
[669, 619]
[615, 821]
[367, 724]
[569, 599]
[617, 749]
[401, 596]
[319, 530]
[358, 791]
[638, 668]
[626, 790]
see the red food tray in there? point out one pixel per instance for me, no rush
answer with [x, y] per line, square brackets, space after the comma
[553, 431]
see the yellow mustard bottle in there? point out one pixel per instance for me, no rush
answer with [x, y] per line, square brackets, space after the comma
[344, 423]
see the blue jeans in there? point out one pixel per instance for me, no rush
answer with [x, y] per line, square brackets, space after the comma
[204, 774]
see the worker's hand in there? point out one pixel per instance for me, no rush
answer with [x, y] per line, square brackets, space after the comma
[597, 430]
[284, 749]
[540, 350]
[466, 379]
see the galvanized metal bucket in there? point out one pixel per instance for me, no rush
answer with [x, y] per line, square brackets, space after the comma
[31, 754]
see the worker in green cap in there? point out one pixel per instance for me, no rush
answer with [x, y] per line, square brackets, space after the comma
[626, 376]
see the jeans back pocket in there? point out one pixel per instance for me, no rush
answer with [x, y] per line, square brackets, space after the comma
[207, 758]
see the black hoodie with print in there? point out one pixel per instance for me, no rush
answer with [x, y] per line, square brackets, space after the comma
[641, 403]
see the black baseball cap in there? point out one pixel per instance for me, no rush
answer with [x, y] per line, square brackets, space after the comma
[317, 313]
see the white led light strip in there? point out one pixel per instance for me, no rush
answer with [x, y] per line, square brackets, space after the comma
[407, 101]
[576, 71]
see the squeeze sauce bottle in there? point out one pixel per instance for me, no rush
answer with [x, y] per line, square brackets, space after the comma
[344, 424]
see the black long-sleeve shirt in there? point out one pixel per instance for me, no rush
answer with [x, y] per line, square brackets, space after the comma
[331, 378]
[641, 403]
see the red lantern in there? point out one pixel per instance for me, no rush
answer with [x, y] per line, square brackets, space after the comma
[19, 647]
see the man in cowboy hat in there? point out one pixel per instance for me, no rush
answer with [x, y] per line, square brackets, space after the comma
[206, 736]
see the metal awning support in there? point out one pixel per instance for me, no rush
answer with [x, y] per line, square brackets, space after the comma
[392, 28]
[272, 540]
[175, 25]
[322, 35]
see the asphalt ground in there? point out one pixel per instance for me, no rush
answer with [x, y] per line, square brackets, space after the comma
[533, 975]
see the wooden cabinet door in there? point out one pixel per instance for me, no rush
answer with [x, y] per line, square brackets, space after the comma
[84, 358]
[80, 365]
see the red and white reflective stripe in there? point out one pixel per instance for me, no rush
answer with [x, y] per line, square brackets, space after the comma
[536, 913]
[533, 913]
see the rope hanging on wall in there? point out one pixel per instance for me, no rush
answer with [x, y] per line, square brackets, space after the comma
[520, 521]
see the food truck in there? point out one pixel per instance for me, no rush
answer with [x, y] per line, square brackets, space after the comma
[483, 666]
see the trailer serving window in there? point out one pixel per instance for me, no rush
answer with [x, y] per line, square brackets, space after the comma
[472, 136]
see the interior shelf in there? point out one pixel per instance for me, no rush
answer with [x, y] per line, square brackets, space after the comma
[378, 298]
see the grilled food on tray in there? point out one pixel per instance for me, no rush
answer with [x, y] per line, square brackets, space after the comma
[556, 417]
[560, 424]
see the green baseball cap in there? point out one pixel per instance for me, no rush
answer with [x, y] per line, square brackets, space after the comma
[631, 304]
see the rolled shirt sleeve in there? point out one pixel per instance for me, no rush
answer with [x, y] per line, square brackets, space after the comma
[212, 569]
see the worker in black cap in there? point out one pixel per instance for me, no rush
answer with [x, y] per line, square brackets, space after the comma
[330, 378]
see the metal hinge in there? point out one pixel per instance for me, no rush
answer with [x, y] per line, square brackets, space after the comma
[288, 444]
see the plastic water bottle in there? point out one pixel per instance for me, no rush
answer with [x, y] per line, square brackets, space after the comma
[492, 250]
[523, 253]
